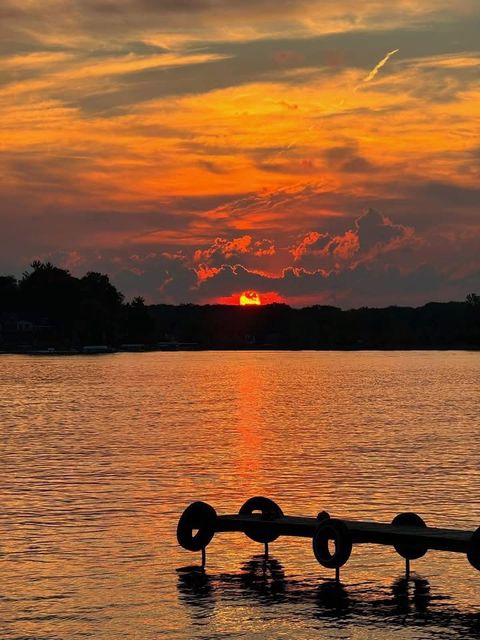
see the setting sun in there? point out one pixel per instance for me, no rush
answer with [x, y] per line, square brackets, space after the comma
[249, 297]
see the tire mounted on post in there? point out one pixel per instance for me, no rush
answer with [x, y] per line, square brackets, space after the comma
[473, 551]
[336, 530]
[198, 516]
[409, 551]
[269, 510]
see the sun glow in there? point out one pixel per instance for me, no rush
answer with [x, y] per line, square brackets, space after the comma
[249, 297]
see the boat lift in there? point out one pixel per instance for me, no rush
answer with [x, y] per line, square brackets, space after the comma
[262, 520]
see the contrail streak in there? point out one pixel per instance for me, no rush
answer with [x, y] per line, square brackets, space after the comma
[382, 63]
[367, 78]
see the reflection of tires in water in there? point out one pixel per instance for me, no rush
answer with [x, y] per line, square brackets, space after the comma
[338, 532]
[408, 551]
[332, 599]
[268, 510]
[195, 588]
[265, 578]
[406, 591]
[201, 518]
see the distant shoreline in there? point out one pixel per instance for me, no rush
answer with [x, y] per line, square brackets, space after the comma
[50, 311]
[238, 349]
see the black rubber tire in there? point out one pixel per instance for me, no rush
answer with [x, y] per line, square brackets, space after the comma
[473, 551]
[337, 531]
[410, 552]
[201, 516]
[269, 511]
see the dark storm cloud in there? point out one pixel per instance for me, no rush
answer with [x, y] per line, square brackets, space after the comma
[371, 235]
[410, 205]
[449, 194]
[363, 285]
[348, 159]
[430, 205]
[156, 277]
[79, 230]
[370, 282]
[374, 229]
[169, 278]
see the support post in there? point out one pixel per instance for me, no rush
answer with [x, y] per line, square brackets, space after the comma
[407, 568]
[337, 574]
[204, 558]
[266, 551]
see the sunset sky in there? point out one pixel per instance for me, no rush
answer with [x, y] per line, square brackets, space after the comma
[315, 152]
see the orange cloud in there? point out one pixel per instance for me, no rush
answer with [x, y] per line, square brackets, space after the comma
[236, 246]
[204, 272]
[372, 234]
[264, 248]
[344, 246]
[310, 239]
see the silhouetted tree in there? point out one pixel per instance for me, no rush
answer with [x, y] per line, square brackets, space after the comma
[140, 324]
[473, 300]
[100, 309]
[50, 293]
[9, 299]
[473, 303]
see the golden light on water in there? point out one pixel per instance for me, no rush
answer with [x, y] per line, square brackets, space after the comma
[281, 424]
[249, 297]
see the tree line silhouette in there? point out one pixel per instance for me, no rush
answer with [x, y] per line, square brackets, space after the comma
[48, 307]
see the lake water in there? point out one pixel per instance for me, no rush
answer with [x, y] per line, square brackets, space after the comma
[101, 454]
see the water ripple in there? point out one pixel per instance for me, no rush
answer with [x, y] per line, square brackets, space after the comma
[100, 455]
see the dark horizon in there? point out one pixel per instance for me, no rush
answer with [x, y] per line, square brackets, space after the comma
[50, 308]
